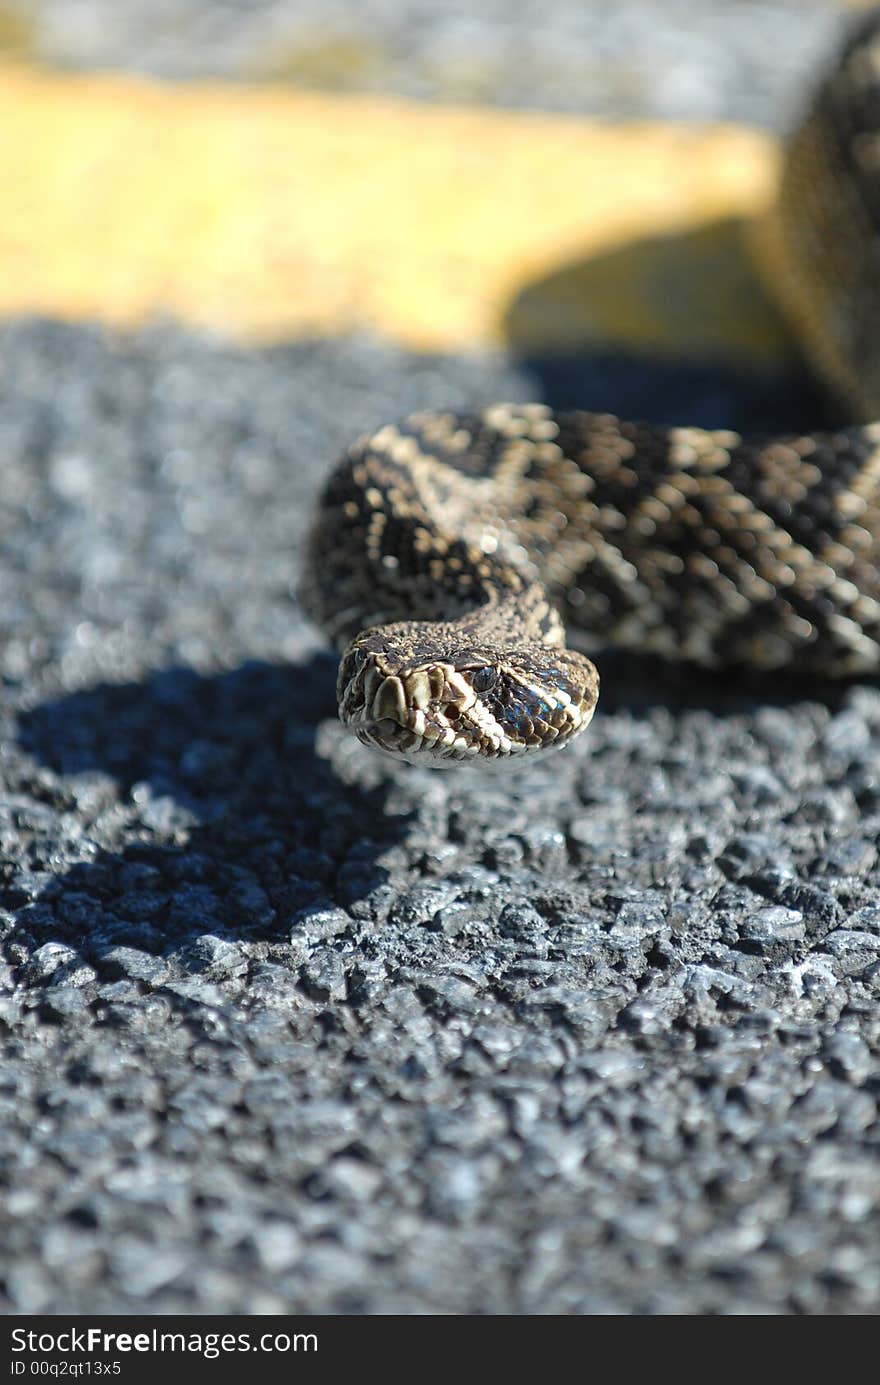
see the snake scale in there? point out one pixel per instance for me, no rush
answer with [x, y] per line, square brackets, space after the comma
[452, 556]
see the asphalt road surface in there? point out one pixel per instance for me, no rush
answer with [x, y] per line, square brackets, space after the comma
[285, 1027]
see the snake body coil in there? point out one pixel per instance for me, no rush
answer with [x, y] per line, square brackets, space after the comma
[450, 554]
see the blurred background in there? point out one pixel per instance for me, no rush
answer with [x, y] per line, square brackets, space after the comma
[276, 171]
[284, 1027]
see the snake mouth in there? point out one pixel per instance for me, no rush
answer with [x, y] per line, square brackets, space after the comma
[395, 739]
[433, 715]
[422, 714]
[398, 714]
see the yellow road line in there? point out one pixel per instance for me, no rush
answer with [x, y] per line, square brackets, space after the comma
[271, 214]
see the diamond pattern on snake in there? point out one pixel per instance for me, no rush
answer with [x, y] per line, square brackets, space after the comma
[464, 564]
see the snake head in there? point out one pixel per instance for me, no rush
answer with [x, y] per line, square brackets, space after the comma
[408, 690]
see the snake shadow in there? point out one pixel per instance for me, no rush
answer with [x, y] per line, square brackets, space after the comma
[671, 329]
[228, 820]
[638, 684]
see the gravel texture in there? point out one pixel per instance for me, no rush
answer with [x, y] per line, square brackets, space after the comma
[287, 1027]
[718, 59]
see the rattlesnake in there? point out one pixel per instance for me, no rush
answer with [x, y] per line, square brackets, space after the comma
[451, 553]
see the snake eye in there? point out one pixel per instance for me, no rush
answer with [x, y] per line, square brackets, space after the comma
[484, 679]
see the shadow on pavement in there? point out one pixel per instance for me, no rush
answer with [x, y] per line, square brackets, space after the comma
[670, 329]
[637, 683]
[229, 821]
